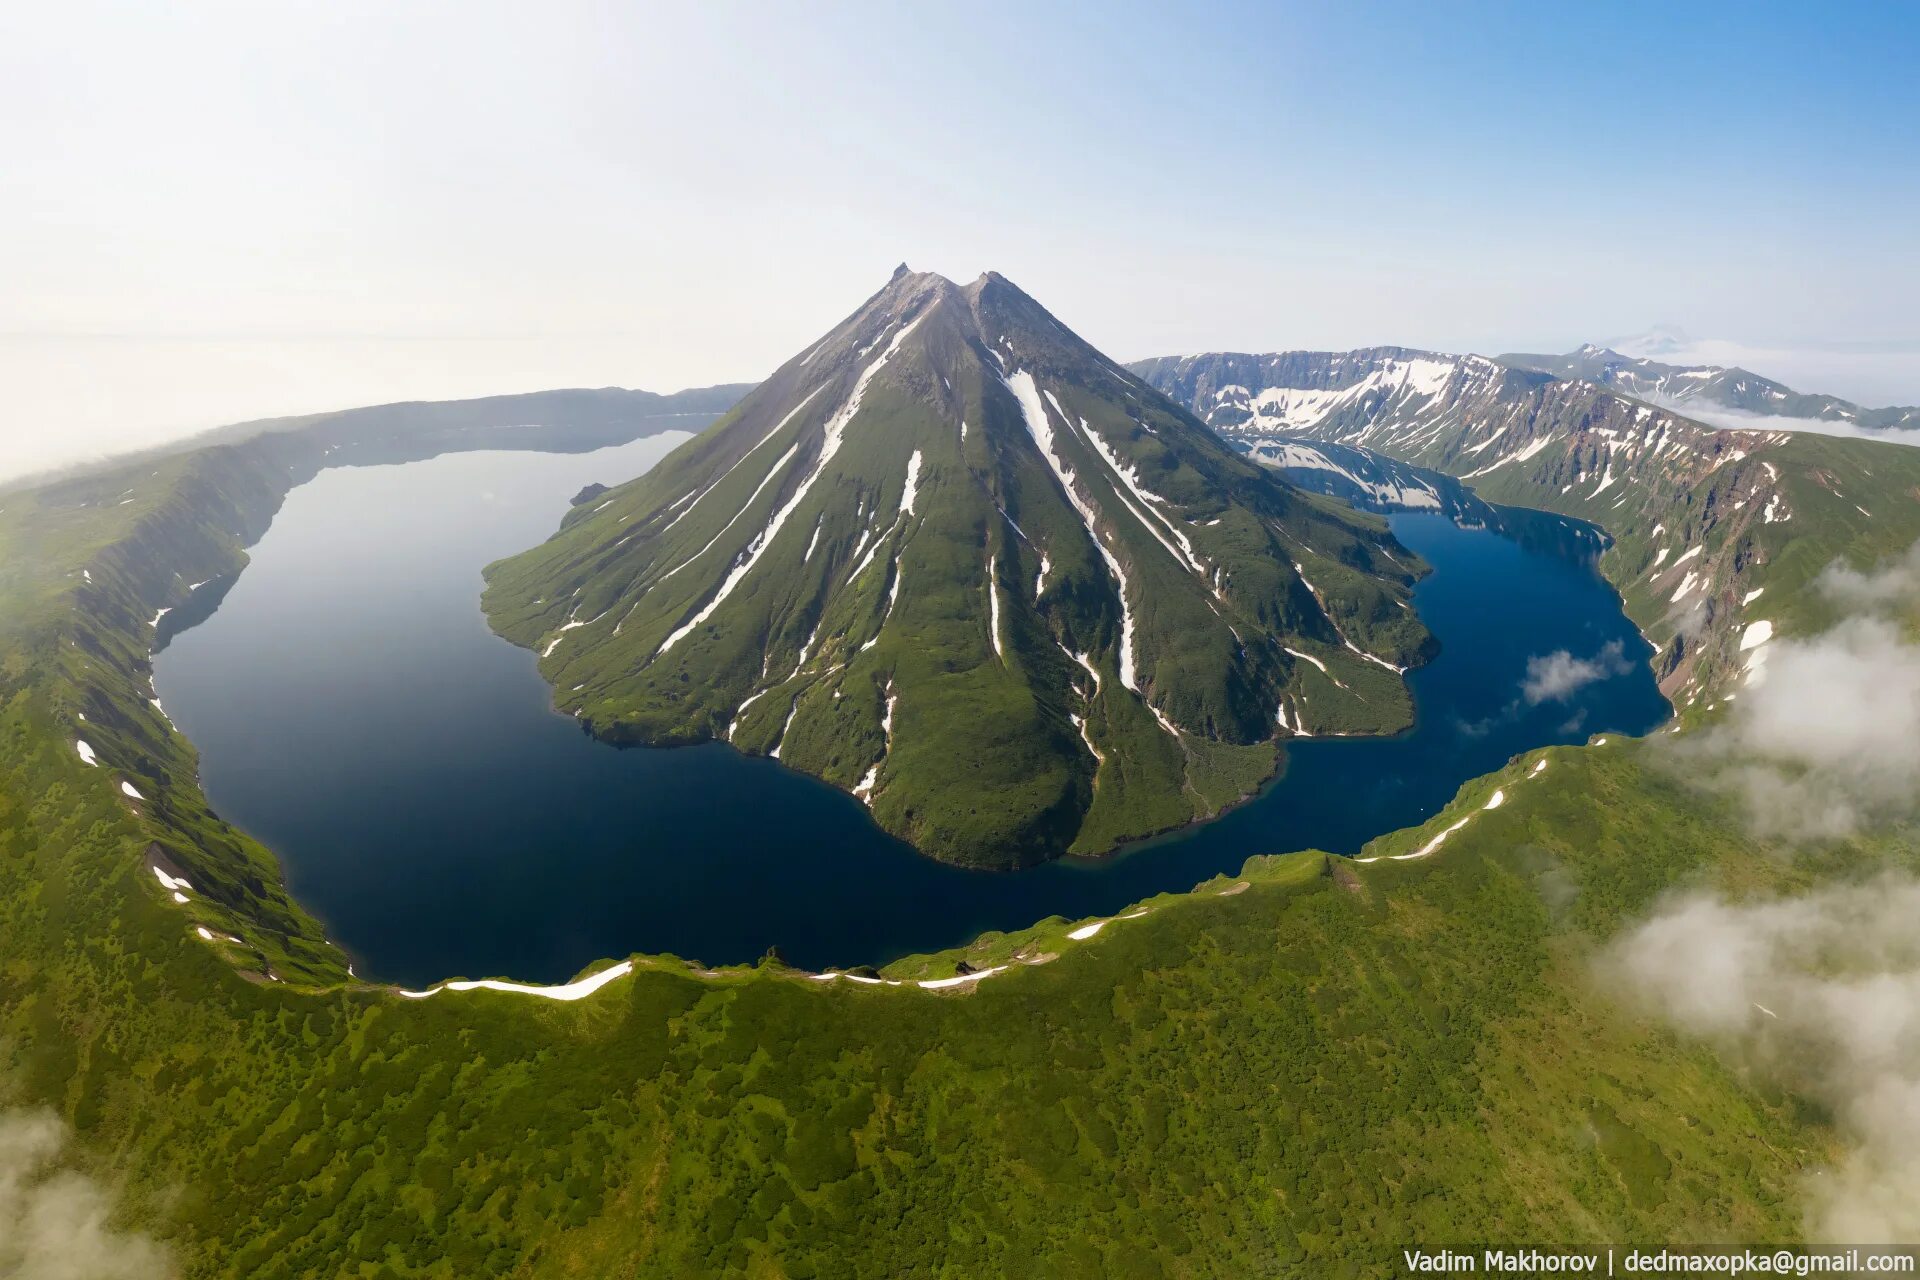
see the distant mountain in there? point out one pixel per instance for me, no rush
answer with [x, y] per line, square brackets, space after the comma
[1680, 497]
[573, 420]
[957, 562]
[568, 420]
[1465, 415]
[1703, 387]
[1659, 342]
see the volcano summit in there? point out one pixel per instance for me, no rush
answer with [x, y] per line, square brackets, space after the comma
[956, 561]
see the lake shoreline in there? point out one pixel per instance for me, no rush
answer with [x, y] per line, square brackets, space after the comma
[442, 816]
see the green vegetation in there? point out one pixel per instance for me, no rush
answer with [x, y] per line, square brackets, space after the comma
[1295, 1077]
[1333, 1061]
[953, 560]
[1701, 518]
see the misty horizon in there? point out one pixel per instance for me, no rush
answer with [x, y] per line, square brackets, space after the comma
[236, 213]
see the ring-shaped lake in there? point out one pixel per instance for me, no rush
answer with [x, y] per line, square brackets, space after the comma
[353, 711]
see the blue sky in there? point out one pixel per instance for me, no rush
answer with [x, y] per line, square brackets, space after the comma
[213, 211]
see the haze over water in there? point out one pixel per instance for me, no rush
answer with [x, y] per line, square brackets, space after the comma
[353, 711]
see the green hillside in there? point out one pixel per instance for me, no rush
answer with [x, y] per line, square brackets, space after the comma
[1713, 530]
[1297, 1077]
[956, 562]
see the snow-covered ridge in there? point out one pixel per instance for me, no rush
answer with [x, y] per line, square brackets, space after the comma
[692, 500]
[1034, 411]
[1290, 408]
[833, 434]
[1494, 801]
[576, 990]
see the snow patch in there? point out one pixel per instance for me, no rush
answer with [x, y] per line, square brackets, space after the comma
[570, 991]
[778, 428]
[753, 497]
[913, 484]
[833, 434]
[1034, 411]
[961, 980]
[785, 725]
[993, 610]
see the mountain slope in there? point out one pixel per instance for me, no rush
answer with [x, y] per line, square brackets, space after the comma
[1699, 516]
[1468, 416]
[1311, 1066]
[1707, 387]
[952, 559]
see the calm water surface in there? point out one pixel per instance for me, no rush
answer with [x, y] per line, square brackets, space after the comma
[353, 711]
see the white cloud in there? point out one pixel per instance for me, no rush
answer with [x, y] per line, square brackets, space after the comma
[56, 1223]
[1738, 420]
[1871, 374]
[1690, 619]
[1891, 585]
[1828, 743]
[1557, 676]
[1823, 991]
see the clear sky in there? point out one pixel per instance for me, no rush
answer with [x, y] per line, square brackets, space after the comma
[217, 211]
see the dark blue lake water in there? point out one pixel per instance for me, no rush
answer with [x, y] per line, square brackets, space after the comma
[353, 711]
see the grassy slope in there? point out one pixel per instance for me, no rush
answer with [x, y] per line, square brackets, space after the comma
[1320, 1065]
[985, 765]
[1824, 481]
[1336, 1060]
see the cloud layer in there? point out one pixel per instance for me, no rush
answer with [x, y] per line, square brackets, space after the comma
[1557, 676]
[1874, 373]
[1827, 744]
[1740, 420]
[55, 1223]
[1888, 587]
[1823, 990]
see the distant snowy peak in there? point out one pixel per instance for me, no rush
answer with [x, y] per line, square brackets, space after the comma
[1563, 442]
[1466, 415]
[1662, 340]
[1242, 395]
[1702, 388]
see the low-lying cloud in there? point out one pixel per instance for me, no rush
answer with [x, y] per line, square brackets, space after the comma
[1826, 743]
[1872, 373]
[1823, 991]
[56, 1223]
[1557, 676]
[1889, 586]
[1715, 415]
